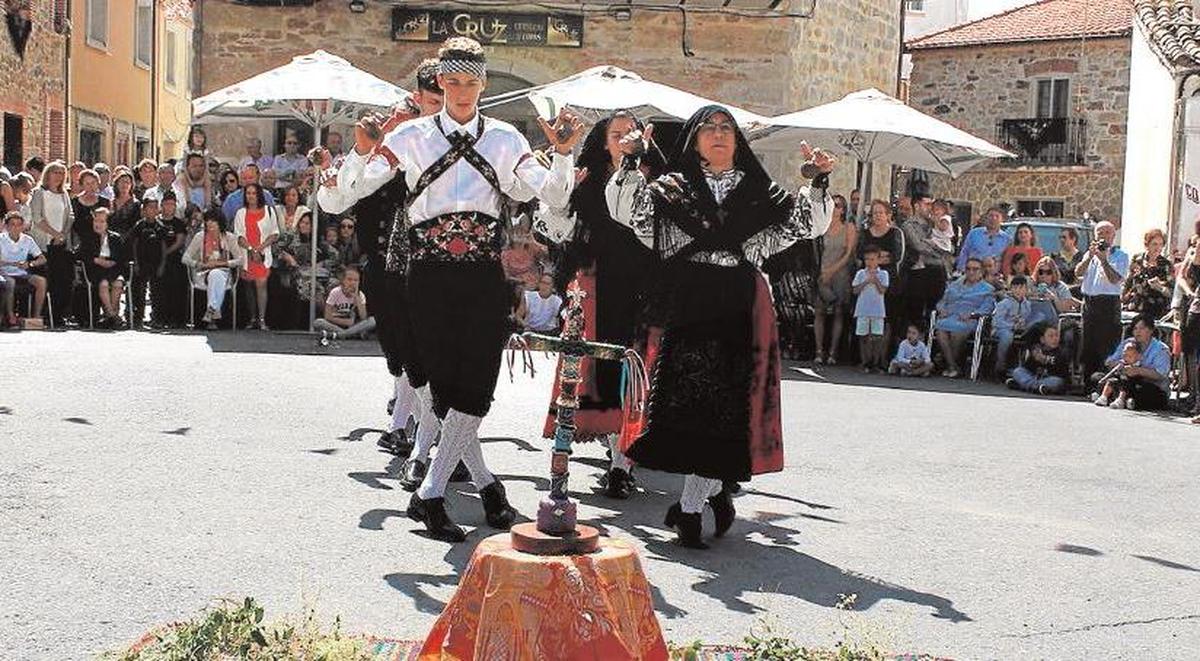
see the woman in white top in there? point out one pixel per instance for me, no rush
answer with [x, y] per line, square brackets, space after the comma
[210, 256]
[257, 229]
[51, 219]
[290, 210]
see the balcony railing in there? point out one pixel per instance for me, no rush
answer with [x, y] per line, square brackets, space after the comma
[1044, 140]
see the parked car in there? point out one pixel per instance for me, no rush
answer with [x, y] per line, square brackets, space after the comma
[1047, 230]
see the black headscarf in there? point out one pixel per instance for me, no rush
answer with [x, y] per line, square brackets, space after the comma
[595, 157]
[686, 160]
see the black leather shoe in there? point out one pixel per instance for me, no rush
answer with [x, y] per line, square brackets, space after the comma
[687, 527]
[412, 473]
[460, 474]
[722, 505]
[432, 513]
[385, 441]
[497, 511]
[396, 442]
[619, 484]
[391, 405]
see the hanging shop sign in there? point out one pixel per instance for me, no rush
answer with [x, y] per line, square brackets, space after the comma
[488, 28]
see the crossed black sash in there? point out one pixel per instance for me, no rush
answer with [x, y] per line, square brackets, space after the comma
[462, 146]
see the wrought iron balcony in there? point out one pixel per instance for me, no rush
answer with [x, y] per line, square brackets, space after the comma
[1044, 140]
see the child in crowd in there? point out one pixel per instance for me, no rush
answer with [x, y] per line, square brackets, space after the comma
[992, 274]
[943, 233]
[870, 284]
[148, 241]
[1010, 318]
[345, 310]
[1115, 393]
[912, 356]
[1047, 366]
[539, 308]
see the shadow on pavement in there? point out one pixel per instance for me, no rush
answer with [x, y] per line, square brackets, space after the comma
[287, 342]
[1166, 563]
[1078, 550]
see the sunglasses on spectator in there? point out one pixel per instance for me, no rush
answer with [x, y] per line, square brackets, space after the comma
[347, 226]
[1045, 272]
[973, 268]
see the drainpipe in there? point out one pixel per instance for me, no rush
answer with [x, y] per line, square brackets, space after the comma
[154, 142]
[899, 73]
[67, 30]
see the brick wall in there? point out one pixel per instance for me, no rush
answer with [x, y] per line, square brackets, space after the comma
[974, 87]
[33, 87]
[769, 66]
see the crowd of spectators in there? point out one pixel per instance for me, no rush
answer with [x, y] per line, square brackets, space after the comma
[928, 298]
[895, 284]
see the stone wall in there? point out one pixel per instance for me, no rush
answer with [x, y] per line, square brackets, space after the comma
[33, 87]
[974, 87]
[769, 66]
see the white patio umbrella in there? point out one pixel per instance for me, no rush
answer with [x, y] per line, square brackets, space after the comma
[319, 89]
[876, 128]
[598, 91]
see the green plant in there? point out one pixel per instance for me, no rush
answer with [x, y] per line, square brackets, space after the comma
[688, 652]
[763, 644]
[235, 630]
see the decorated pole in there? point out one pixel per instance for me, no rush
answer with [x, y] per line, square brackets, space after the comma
[557, 530]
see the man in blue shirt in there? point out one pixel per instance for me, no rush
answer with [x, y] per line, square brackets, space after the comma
[248, 175]
[986, 241]
[1143, 384]
[1101, 274]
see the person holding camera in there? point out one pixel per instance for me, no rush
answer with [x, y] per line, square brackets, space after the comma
[1102, 274]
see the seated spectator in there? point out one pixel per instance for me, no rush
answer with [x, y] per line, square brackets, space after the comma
[295, 266]
[104, 259]
[993, 276]
[289, 210]
[540, 308]
[257, 230]
[192, 185]
[912, 356]
[1046, 368]
[211, 254]
[346, 309]
[1010, 319]
[19, 253]
[269, 181]
[229, 186]
[1024, 243]
[521, 256]
[1019, 267]
[1050, 295]
[250, 174]
[1148, 288]
[349, 252]
[988, 240]
[254, 156]
[965, 301]
[1138, 376]
[332, 238]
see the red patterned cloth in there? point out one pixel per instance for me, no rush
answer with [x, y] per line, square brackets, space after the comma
[513, 606]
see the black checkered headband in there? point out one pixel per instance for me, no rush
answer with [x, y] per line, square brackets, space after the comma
[456, 63]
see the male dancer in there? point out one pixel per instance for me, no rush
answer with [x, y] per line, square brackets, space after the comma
[458, 164]
[376, 214]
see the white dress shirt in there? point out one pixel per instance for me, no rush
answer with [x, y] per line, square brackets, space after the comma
[418, 144]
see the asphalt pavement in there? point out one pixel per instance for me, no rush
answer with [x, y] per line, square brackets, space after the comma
[142, 476]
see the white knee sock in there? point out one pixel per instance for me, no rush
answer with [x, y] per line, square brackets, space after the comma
[458, 431]
[696, 492]
[619, 460]
[405, 401]
[473, 458]
[427, 430]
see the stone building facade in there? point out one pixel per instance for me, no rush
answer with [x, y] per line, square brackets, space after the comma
[33, 88]
[767, 65]
[1060, 104]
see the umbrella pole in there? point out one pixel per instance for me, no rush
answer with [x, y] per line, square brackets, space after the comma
[315, 236]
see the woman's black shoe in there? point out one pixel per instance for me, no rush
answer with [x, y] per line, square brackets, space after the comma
[619, 484]
[497, 511]
[722, 506]
[412, 473]
[687, 527]
[432, 513]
